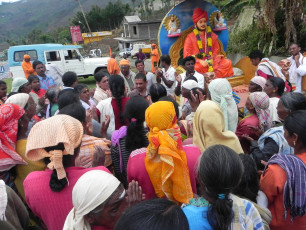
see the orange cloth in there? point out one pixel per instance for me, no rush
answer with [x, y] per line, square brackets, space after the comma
[272, 184]
[124, 62]
[112, 66]
[166, 161]
[154, 58]
[222, 66]
[198, 14]
[27, 68]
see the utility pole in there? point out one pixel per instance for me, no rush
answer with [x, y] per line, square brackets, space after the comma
[85, 19]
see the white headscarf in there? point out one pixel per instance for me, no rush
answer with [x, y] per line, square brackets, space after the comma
[91, 190]
[3, 200]
[221, 93]
[20, 99]
[190, 84]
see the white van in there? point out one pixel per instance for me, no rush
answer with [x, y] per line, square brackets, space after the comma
[65, 57]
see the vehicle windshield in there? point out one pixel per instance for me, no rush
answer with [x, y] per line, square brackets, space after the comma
[83, 53]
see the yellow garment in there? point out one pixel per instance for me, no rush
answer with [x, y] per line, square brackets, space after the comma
[209, 128]
[23, 171]
[165, 160]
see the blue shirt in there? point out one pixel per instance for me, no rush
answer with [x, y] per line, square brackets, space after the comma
[46, 83]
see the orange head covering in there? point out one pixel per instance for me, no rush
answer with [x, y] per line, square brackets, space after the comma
[165, 160]
[124, 62]
[198, 14]
[154, 45]
[26, 56]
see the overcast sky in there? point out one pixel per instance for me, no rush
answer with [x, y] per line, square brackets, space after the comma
[8, 1]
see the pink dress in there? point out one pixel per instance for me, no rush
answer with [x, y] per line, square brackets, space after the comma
[136, 169]
[52, 207]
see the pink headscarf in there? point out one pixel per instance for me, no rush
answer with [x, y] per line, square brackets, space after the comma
[259, 81]
[260, 101]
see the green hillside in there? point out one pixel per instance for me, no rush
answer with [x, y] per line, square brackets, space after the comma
[18, 19]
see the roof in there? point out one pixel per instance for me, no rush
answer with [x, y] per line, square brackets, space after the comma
[133, 18]
[49, 46]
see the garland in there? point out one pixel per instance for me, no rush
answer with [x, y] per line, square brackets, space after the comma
[203, 53]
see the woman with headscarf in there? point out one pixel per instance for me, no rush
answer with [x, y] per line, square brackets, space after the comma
[209, 128]
[257, 84]
[98, 201]
[273, 140]
[259, 117]
[220, 91]
[165, 168]
[26, 102]
[10, 115]
[49, 193]
[283, 180]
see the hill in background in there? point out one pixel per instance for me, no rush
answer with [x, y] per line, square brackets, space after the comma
[19, 18]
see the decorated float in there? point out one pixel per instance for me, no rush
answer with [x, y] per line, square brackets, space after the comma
[182, 34]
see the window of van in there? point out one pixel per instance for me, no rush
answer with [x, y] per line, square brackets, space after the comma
[71, 54]
[53, 56]
[18, 55]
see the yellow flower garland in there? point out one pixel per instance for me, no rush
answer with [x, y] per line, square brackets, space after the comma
[200, 45]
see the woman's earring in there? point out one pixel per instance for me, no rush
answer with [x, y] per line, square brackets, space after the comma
[293, 143]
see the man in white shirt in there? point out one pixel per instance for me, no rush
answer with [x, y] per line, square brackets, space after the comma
[149, 75]
[188, 64]
[166, 76]
[55, 72]
[296, 60]
[127, 74]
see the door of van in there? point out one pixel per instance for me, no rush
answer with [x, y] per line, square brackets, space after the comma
[55, 58]
[73, 61]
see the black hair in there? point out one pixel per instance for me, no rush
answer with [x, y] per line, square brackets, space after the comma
[136, 108]
[11, 94]
[295, 122]
[138, 61]
[67, 97]
[188, 58]
[52, 94]
[117, 87]
[249, 184]
[75, 110]
[293, 101]
[195, 92]
[36, 63]
[2, 82]
[279, 83]
[297, 44]
[21, 87]
[55, 184]
[99, 75]
[153, 214]
[69, 78]
[175, 104]
[141, 76]
[219, 172]
[256, 54]
[166, 59]
[157, 91]
[32, 77]
[79, 87]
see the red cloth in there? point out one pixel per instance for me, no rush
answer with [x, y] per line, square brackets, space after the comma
[9, 116]
[117, 114]
[40, 93]
[243, 128]
[222, 66]
[136, 169]
[272, 184]
[198, 14]
[52, 207]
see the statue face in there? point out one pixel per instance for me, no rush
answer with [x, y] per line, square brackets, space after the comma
[172, 19]
[201, 24]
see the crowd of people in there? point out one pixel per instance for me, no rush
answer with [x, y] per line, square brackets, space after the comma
[154, 149]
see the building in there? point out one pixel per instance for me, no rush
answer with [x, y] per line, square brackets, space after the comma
[137, 31]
